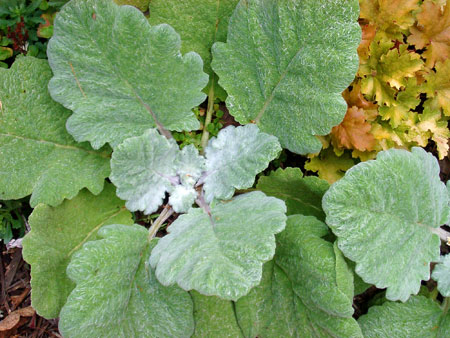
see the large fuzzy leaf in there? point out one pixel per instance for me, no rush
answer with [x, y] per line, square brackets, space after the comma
[117, 294]
[285, 65]
[235, 157]
[384, 213]
[419, 317]
[37, 155]
[441, 274]
[301, 294]
[210, 18]
[214, 317]
[302, 195]
[56, 234]
[119, 75]
[221, 254]
[145, 167]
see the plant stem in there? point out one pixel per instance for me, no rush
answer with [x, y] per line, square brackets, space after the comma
[445, 305]
[209, 112]
[443, 235]
[163, 216]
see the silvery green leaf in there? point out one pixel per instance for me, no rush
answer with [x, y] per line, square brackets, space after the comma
[221, 254]
[306, 290]
[190, 165]
[119, 75]
[385, 213]
[142, 168]
[285, 65]
[303, 195]
[235, 157]
[419, 317]
[441, 274]
[214, 317]
[117, 294]
[37, 155]
[56, 234]
[182, 197]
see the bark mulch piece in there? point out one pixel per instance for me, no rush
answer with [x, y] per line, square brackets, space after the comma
[17, 317]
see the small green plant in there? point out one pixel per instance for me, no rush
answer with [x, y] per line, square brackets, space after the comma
[272, 262]
[12, 221]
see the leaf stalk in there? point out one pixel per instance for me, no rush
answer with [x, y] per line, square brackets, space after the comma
[208, 118]
[163, 216]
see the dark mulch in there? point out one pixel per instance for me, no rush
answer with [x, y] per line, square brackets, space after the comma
[17, 317]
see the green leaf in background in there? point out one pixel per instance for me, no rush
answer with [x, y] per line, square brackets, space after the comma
[235, 157]
[214, 317]
[285, 65]
[200, 23]
[302, 195]
[37, 155]
[56, 234]
[119, 75]
[301, 294]
[145, 167]
[441, 274]
[117, 294]
[385, 213]
[205, 252]
[419, 317]
[142, 5]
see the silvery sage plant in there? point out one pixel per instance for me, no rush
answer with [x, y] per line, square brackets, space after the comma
[283, 259]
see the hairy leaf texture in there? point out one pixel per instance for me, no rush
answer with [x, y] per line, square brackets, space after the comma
[200, 23]
[119, 75]
[285, 65]
[302, 194]
[305, 291]
[221, 253]
[417, 318]
[214, 317]
[117, 294]
[441, 274]
[145, 167]
[384, 213]
[37, 155]
[432, 32]
[56, 234]
[235, 157]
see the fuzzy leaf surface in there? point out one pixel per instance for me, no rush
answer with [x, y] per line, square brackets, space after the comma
[302, 194]
[417, 318]
[145, 167]
[384, 213]
[56, 234]
[302, 293]
[234, 157]
[441, 274]
[214, 317]
[117, 293]
[37, 155]
[211, 24]
[221, 254]
[119, 75]
[285, 65]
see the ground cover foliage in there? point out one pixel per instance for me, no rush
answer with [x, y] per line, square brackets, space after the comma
[148, 222]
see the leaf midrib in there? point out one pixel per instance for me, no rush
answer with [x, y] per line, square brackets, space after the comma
[57, 145]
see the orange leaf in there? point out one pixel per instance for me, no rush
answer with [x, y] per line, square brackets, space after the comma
[432, 31]
[353, 132]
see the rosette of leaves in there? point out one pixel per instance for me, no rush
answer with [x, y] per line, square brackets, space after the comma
[146, 167]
